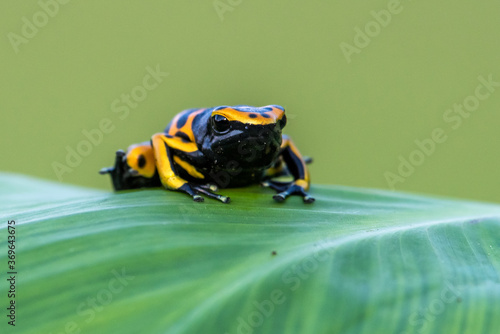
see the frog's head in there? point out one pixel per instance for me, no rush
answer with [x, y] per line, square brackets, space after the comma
[248, 136]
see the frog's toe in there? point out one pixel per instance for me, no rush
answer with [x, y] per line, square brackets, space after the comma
[279, 197]
[294, 190]
[209, 186]
[188, 189]
[308, 199]
[198, 198]
[203, 190]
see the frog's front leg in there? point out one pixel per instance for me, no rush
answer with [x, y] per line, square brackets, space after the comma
[162, 146]
[296, 165]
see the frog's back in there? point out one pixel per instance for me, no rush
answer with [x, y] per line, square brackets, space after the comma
[182, 123]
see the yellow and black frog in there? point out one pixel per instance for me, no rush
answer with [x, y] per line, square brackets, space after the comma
[202, 150]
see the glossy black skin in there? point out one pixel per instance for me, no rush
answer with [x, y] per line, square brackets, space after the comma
[237, 158]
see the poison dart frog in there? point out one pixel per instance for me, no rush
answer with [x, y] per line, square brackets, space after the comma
[202, 150]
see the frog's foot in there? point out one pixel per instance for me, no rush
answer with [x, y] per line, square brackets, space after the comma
[308, 160]
[209, 186]
[286, 189]
[194, 191]
[118, 164]
[117, 171]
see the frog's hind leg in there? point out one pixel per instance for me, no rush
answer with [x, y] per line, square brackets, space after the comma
[279, 169]
[116, 172]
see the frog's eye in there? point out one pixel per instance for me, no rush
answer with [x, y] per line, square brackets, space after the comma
[220, 124]
[282, 122]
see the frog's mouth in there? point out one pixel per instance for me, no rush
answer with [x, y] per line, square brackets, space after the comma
[249, 153]
[248, 147]
[257, 144]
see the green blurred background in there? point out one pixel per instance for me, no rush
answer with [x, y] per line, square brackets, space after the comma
[355, 118]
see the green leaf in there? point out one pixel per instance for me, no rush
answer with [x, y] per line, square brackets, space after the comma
[153, 261]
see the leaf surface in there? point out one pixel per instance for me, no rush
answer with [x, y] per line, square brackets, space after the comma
[153, 261]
